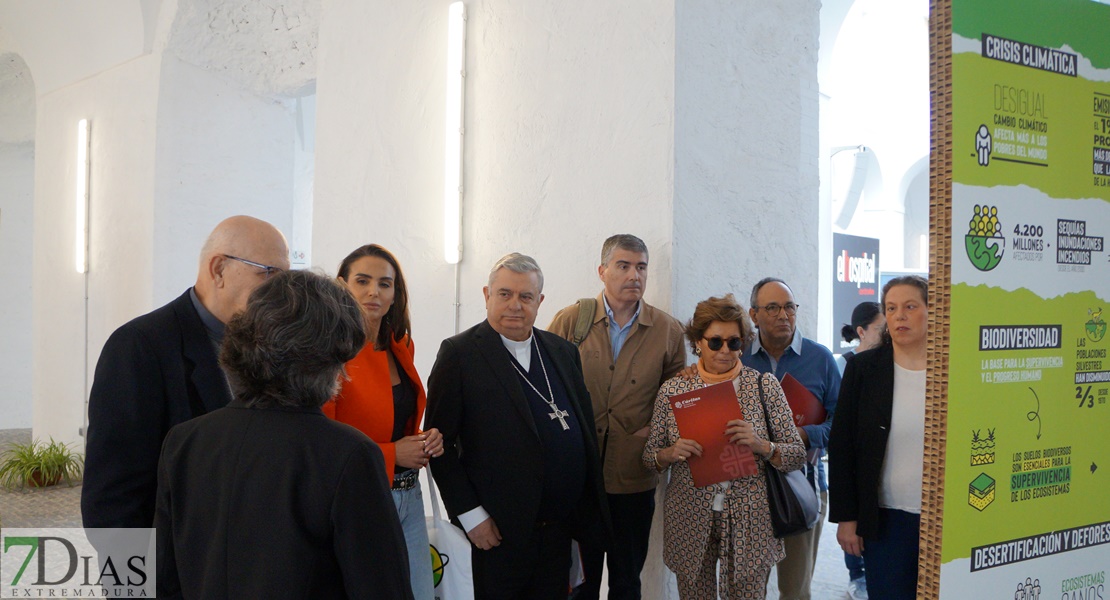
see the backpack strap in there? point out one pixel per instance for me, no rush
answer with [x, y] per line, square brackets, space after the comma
[586, 309]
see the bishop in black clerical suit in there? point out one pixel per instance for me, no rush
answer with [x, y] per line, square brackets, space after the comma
[520, 471]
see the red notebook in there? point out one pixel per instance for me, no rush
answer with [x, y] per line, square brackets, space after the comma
[806, 407]
[701, 415]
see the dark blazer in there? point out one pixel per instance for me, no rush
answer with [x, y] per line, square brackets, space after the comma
[858, 440]
[276, 503]
[154, 372]
[492, 453]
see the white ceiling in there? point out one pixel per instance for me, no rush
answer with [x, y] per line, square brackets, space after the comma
[63, 42]
[266, 47]
[269, 48]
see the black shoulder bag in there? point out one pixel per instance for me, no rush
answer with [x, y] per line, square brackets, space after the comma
[793, 501]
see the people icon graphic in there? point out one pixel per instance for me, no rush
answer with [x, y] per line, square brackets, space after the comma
[983, 145]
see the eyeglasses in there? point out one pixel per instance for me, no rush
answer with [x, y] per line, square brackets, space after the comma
[773, 309]
[266, 269]
[717, 341]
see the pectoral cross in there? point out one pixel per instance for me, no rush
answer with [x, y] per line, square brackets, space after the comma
[559, 414]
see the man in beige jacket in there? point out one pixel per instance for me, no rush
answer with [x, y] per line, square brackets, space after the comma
[630, 348]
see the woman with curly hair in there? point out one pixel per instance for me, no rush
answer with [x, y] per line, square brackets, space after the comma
[728, 522]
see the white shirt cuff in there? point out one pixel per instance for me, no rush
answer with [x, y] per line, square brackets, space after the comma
[473, 518]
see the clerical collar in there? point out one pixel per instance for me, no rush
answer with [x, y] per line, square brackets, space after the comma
[521, 351]
[214, 326]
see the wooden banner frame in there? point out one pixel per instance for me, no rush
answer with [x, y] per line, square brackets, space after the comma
[940, 286]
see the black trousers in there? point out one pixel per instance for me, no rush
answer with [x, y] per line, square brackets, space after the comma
[537, 567]
[631, 517]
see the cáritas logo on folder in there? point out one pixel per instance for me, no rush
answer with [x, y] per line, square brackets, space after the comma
[701, 416]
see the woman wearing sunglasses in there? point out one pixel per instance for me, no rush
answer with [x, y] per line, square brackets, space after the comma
[728, 522]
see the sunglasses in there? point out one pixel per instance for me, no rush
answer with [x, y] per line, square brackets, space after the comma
[716, 342]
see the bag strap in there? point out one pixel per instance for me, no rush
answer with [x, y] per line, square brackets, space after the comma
[766, 417]
[436, 513]
[586, 309]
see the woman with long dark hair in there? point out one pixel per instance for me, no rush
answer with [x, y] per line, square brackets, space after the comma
[384, 398]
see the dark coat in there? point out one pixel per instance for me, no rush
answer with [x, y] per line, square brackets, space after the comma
[154, 372]
[858, 440]
[276, 503]
[492, 452]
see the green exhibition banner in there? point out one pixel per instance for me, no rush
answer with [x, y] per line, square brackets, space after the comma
[1027, 461]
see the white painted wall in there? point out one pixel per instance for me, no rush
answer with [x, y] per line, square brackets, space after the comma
[746, 171]
[304, 175]
[17, 180]
[569, 140]
[121, 106]
[220, 151]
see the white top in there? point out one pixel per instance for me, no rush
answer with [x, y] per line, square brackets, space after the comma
[900, 486]
[522, 352]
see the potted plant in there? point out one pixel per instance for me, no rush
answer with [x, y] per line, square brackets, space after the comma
[39, 465]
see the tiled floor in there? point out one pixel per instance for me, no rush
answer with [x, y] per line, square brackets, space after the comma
[830, 577]
[60, 506]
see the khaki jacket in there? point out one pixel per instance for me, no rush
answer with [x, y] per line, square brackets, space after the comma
[623, 394]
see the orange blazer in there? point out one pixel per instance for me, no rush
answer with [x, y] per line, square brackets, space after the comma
[365, 402]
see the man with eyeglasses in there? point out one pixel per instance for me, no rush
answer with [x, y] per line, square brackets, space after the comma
[779, 348]
[160, 369]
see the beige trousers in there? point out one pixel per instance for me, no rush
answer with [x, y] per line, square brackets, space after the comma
[796, 570]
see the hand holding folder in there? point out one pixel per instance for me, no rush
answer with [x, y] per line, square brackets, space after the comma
[702, 415]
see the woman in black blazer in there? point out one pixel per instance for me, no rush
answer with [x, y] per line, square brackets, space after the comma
[875, 487]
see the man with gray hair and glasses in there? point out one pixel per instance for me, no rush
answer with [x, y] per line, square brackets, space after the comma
[779, 348]
[628, 349]
[267, 497]
[160, 369]
[519, 471]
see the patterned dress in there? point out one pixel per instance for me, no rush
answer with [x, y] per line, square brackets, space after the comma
[748, 540]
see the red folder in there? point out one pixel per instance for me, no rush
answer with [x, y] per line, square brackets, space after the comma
[701, 416]
[806, 407]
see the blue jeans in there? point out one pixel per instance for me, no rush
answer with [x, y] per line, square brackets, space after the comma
[855, 566]
[892, 556]
[410, 509]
